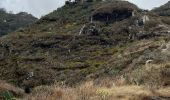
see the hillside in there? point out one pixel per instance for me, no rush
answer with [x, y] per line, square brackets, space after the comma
[89, 41]
[164, 10]
[11, 22]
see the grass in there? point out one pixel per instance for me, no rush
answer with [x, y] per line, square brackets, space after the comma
[90, 91]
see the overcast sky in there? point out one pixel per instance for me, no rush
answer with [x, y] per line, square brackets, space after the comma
[42, 7]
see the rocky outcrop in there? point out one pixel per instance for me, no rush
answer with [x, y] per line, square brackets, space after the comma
[116, 11]
[116, 15]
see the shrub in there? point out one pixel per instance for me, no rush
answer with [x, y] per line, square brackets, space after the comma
[151, 24]
[151, 75]
[6, 95]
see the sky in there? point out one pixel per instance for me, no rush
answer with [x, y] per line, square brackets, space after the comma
[42, 7]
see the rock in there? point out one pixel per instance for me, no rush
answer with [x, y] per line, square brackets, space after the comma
[90, 29]
[115, 11]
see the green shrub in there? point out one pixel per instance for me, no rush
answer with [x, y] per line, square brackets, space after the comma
[6, 95]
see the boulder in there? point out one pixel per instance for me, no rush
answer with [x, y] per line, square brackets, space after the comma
[115, 11]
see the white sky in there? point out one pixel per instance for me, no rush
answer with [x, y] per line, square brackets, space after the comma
[42, 7]
[149, 4]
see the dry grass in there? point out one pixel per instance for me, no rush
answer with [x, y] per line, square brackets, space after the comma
[89, 91]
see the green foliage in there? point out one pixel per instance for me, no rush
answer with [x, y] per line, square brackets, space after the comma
[6, 95]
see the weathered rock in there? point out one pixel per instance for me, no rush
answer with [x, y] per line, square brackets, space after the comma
[115, 11]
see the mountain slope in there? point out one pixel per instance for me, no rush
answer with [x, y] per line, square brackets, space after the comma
[85, 41]
[164, 10]
[12, 22]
